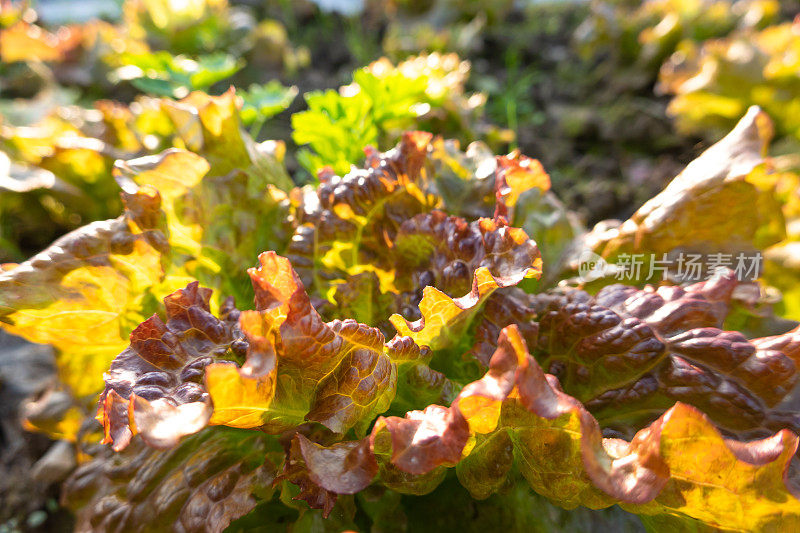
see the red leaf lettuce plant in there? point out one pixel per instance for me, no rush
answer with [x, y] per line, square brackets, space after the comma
[398, 335]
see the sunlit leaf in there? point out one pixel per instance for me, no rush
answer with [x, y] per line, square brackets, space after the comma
[261, 102]
[153, 387]
[87, 291]
[682, 217]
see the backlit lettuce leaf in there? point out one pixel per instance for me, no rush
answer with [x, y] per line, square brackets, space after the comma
[222, 208]
[185, 219]
[324, 472]
[153, 387]
[558, 447]
[346, 223]
[375, 237]
[436, 256]
[339, 374]
[615, 337]
[503, 256]
[294, 366]
[76, 151]
[739, 383]
[88, 290]
[210, 126]
[422, 440]
[685, 217]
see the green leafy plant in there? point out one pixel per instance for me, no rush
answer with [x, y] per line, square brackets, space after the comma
[261, 102]
[403, 342]
[336, 124]
[382, 101]
[162, 74]
[58, 175]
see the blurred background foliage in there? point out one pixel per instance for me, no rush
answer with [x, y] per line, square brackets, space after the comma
[613, 96]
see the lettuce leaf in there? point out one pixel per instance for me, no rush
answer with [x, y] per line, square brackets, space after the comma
[500, 257]
[685, 216]
[88, 290]
[558, 447]
[202, 484]
[153, 387]
[338, 373]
